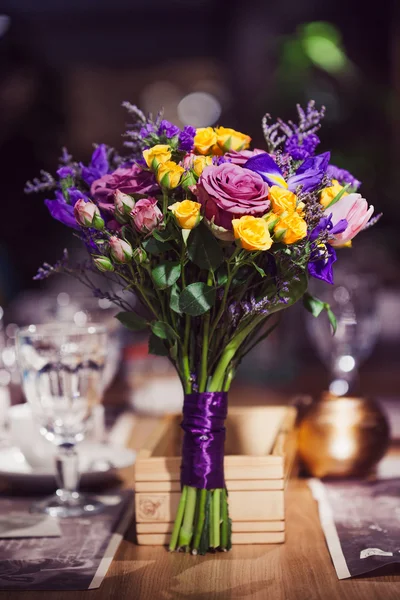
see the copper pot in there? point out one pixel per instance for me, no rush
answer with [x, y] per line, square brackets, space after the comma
[343, 437]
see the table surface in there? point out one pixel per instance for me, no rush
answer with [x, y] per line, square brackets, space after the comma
[300, 569]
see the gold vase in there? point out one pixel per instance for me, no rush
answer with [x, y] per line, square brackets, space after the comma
[343, 437]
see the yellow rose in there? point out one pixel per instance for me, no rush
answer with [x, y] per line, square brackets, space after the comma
[156, 155]
[200, 162]
[329, 193]
[282, 200]
[169, 174]
[205, 141]
[291, 228]
[252, 232]
[229, 139]
[187, 213]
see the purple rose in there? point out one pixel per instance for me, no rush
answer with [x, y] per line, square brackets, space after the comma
[130, 180]
[229, 192]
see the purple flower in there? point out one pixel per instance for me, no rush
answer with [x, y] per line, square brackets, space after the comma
[61, 211]
[322, 267]
[98, 166]
[168, 129]
[309, 175]
[129, 180]
[300, 147]
[322, 259]
[64, 172]
[147, 130]
[342, 176]
[186, 139]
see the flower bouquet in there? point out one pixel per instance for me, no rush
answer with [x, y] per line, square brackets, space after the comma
[214, 240]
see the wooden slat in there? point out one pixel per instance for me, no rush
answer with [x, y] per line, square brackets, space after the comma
[160, 431]
[162, 539]
[237, 527]
[236, 467]
[232, 484]
[252, 505]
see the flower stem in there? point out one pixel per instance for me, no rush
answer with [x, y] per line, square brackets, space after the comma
[211, 522]
[224, 520]
[202, 498]
[216, 517]
[204, 349]
[185, 357]
[165, 203]
[186, 532]
[178, 520]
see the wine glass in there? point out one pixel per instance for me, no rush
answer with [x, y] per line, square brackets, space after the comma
[61, 368]
[353, 301]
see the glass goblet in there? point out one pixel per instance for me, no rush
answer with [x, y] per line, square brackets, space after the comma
[61, 368]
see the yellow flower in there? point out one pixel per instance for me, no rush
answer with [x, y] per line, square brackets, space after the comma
[200, 162]
[156, 155]
[291, 228]
[187, 213]
[329, 193]
[205, 141]
[169, 174]
[282, 200]
[229, 139]
[252, 232]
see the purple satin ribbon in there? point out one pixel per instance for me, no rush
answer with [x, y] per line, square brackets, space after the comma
[204, 415]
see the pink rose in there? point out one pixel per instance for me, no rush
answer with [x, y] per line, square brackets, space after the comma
[353, 208]
[240, 158]
[87, 214]
[121, 251]
[131, 180]
[229, 192]
[146, 215]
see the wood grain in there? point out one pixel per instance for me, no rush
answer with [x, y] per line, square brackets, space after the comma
[300, 569]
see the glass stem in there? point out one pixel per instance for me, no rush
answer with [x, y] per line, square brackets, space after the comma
[67, 473]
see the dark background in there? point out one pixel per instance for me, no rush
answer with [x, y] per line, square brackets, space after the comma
[65, 67]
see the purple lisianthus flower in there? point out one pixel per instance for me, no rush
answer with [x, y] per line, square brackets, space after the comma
[147, 130]
[186, 139]
[168, 129]
[61, 211]
[322, 260]
[299, 147]
[342, 176]
[74, 195]
[64, 172]
[98, 166]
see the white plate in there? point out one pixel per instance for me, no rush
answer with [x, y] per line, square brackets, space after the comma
[97, 463]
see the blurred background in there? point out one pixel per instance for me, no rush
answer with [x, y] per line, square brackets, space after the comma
[65, 68]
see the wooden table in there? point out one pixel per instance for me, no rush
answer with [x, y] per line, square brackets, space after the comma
[300, 569]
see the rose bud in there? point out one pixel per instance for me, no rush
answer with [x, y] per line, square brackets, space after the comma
[139, 255]
[146, 215]
[87, 214]
[123, 205]
[121, 251]
[103, 264]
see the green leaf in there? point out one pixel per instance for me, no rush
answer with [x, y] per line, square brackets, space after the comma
[332, 318]
[163, 330]
[196, 299]
[155, 246]
[185, 235]
[259, 269]
[166, 274]
[164, 235]
[157, 346]
[204, 250]
[222, 275]
[313, 304]
[174, 299]
[132, 321]
[338, 196]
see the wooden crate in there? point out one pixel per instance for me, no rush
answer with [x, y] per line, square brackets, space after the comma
[259, 453]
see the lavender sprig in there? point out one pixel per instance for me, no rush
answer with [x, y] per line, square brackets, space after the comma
[44, 183]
